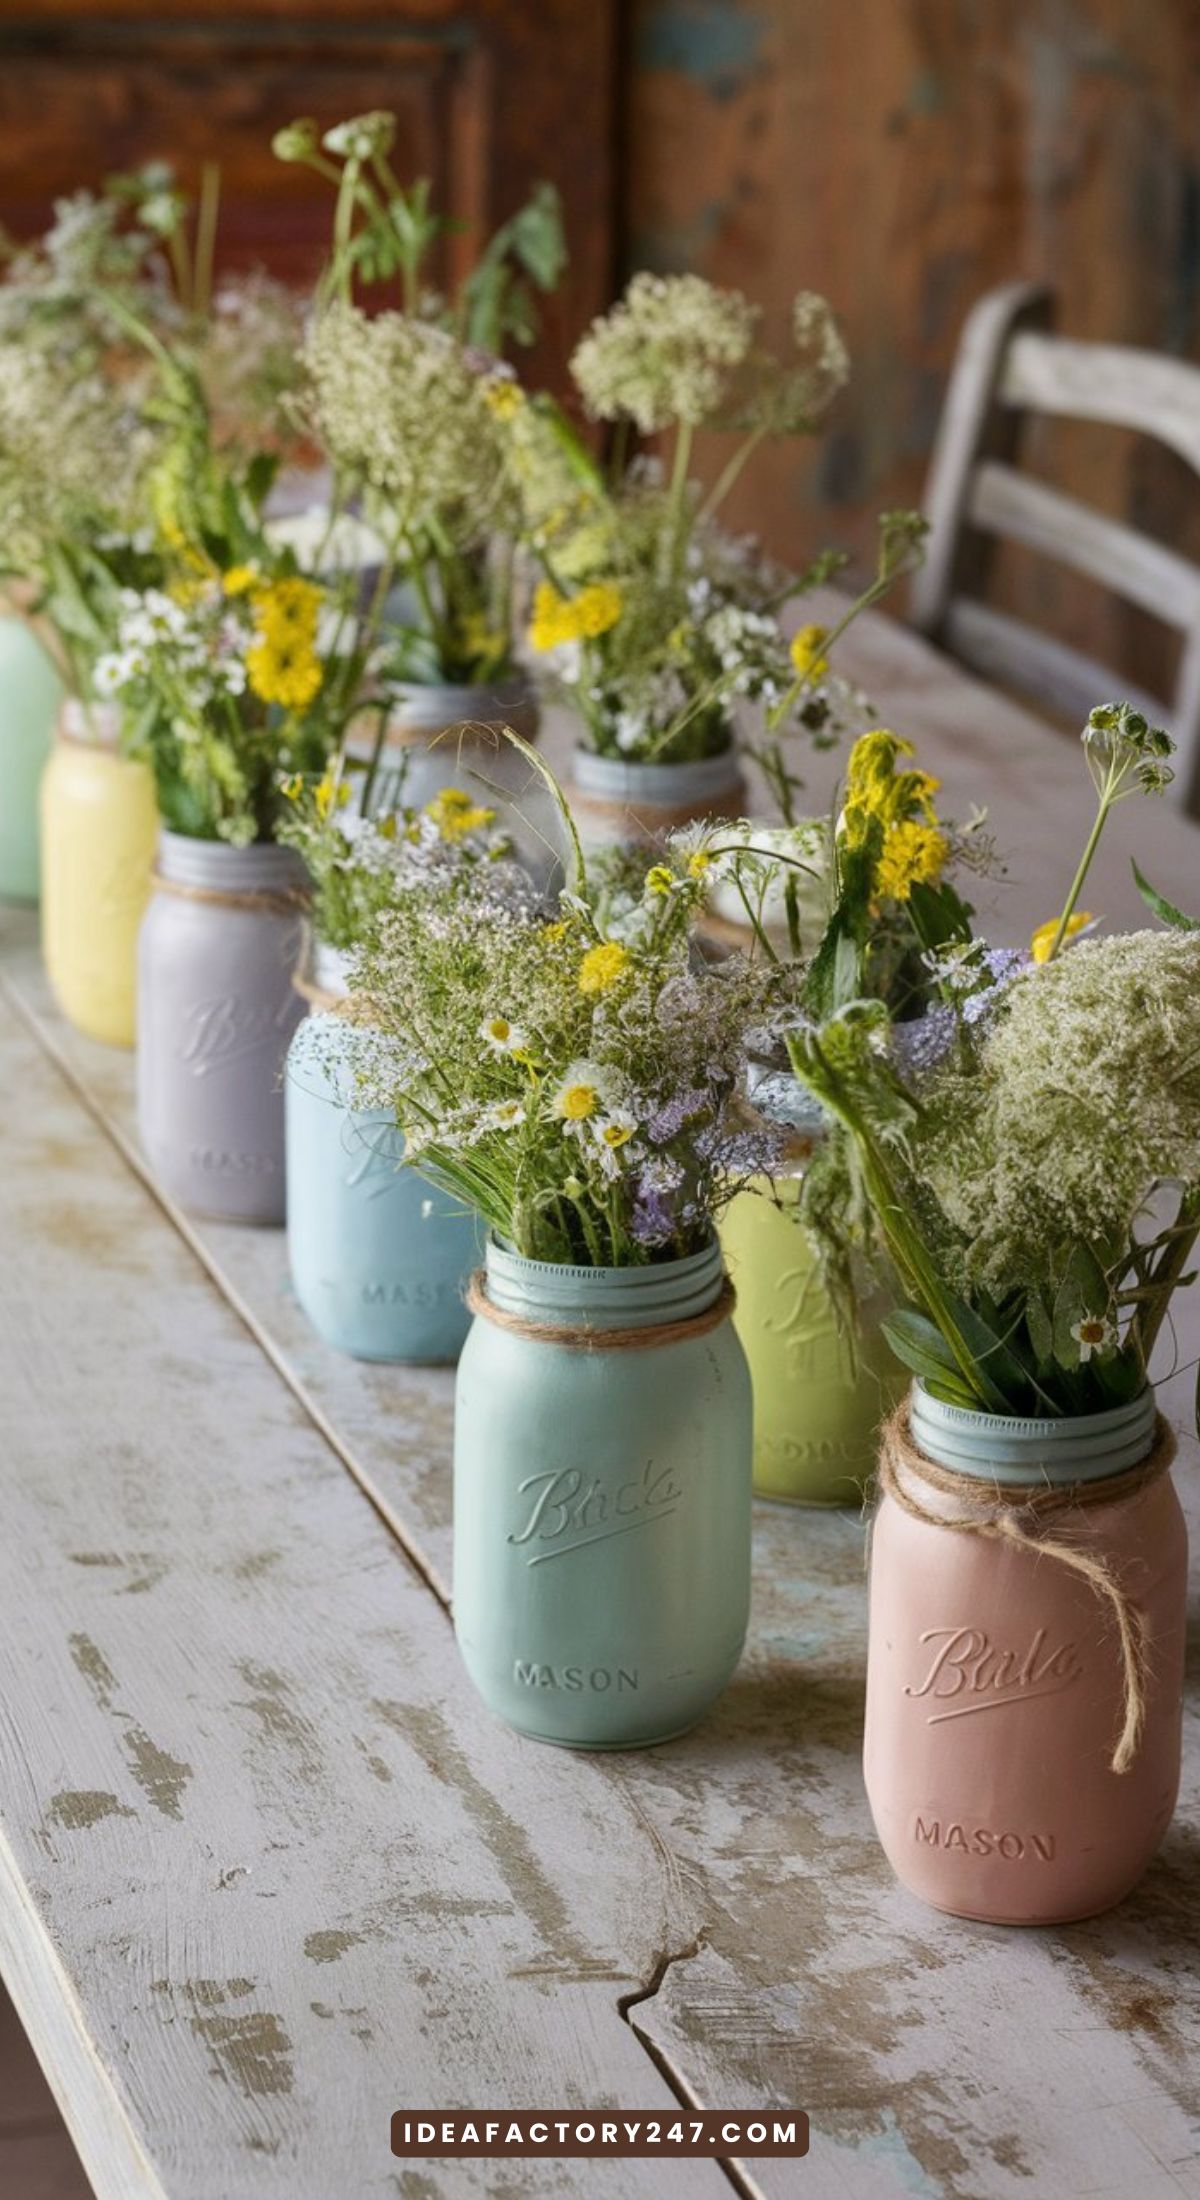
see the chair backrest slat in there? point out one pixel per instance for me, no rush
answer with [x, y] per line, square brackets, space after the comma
[1006, 649]
[1024, 510]
[1113, 383]
[1009, 365]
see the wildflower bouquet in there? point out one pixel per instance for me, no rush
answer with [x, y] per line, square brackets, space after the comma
[407, 401]
[239, 665]
[1034, 1176]
[79, 429]
[578, 1089]
[656, 621]
[357, 860]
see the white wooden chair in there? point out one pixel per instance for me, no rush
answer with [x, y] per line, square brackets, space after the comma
[1010, 365]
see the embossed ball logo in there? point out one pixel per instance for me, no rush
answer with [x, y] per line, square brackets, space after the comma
[968, 1672]
[565, 1510]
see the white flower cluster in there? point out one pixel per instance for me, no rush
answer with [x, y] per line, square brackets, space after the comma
[397, 404]
[205, 648]
[666, 354]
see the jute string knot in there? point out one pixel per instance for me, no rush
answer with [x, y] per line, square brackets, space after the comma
[1014, 1513]
[585, 1337]
[277, 901]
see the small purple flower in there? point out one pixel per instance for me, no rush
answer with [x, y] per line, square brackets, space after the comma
[674, 1115]
[653, 1220]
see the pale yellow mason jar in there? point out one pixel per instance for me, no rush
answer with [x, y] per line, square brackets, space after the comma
[99, 820]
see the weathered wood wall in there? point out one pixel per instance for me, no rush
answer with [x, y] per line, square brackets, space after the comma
[903, 156]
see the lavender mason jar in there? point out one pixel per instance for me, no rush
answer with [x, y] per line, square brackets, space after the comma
[218, 948]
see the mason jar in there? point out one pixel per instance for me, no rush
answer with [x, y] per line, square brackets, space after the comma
[99, 819]
[819, 1396]
[999, 1694]
[219, 946]
[615, 799]
[602, 1498]
[30, 695]
[380, 1259]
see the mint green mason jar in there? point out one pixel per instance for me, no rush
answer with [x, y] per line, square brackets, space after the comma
[30, 694]
[602, 1497]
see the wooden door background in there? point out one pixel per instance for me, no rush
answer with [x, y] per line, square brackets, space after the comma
[491, 97]
[901, 155]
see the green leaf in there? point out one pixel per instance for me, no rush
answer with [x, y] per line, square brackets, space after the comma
[1163, 909]
[918, 1343]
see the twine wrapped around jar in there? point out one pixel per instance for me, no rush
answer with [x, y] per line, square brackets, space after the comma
[279, 902]
[1013, 1513]
[583, 1337]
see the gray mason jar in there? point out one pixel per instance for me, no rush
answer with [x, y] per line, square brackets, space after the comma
[438, 735]
[218, 948]
[615, 799]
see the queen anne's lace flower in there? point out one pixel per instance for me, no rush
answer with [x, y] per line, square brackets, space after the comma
[668, 352]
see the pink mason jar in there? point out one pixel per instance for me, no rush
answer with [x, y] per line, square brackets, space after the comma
[1025, 1660]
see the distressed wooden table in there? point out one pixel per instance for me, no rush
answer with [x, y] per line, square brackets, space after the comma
[268, 1870]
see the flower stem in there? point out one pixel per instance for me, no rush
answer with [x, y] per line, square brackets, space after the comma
[1107, 798]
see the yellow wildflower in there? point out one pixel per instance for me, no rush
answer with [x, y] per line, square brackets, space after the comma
[285, 672]
[1044, 938]
[583, 617]
[330, 793]
[602, 967]
[877, 792]
[503, 395]
[659, 879]
[913, 854]
[806, 652]
[386, 826]
[577, 1097]
[556, 931]
[455, 814]
[240, 579]
[287, 609]
[698, 863]
[292, 787]
[597, 608]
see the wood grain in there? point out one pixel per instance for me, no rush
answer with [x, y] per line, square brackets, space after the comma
[936, 2058]
[267, 1869]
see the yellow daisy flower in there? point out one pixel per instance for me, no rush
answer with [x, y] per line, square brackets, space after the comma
[602, 967]
[806, 652]
[284, 672]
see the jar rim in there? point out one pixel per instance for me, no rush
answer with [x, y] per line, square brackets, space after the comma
[643, 779]
[628, 1297]
[1000, 1447]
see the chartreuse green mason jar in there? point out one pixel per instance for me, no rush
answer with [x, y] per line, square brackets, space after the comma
[602, 1497]
[819, 1397]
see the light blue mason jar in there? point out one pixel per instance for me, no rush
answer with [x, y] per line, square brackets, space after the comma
[379, 1258]
[602, 1497]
